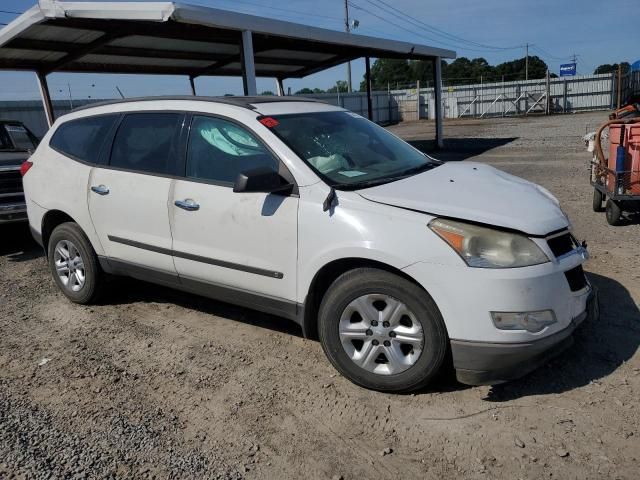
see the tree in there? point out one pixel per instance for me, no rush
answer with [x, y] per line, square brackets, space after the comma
[340, 86]
[610, 68]
[388, 72]
[267, 93]
[515, 69]
[422, 70]
[308, 91]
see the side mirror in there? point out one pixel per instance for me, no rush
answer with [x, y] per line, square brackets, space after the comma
[261, 179]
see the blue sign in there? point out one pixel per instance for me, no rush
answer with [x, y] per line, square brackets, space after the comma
[635, 66]
[567, 69]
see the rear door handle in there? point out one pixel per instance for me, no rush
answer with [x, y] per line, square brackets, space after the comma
[100, 190]
[187, 204]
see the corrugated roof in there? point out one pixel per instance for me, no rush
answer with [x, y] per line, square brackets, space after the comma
[170, 38]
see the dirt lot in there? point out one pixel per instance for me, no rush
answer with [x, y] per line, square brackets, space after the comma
[154, 383]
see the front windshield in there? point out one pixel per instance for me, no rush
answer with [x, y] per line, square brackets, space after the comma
[347, 150]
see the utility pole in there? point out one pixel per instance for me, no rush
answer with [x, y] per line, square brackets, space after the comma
[574, 59]
[348, 30]
[619, 86]
[70, 98]
[526, 63]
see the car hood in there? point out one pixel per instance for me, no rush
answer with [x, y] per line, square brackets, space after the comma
[476, 192]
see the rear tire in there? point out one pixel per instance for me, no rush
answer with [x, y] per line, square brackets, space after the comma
[74, 264]
[368, 305]
[598, 198]
[614, 213]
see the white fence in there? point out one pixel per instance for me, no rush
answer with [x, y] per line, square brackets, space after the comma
[559, 95]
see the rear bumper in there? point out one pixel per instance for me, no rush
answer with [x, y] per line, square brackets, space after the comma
[484, 363]
[13, 212]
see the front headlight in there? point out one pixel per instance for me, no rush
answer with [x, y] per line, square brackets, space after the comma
[487, 248]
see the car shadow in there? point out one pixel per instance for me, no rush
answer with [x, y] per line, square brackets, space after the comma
[125, 290]
[600, 347]
[458, 149]
[17, 244]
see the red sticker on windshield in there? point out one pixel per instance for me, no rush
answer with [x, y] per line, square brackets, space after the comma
[269, 122]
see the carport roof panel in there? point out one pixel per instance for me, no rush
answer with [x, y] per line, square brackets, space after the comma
[172, 38]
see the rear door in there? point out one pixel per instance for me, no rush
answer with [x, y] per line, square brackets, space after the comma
[128, 196]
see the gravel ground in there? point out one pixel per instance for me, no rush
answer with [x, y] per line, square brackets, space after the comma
[153, 383]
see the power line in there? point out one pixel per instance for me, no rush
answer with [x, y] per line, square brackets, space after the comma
[10, 12]
[413, 32]
[391, 10]
[546, 53]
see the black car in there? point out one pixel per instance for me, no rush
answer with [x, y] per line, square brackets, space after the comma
[17, 143]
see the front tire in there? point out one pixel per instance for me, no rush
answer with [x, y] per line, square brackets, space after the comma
[74, 264]
[382, 331]
[614, 213]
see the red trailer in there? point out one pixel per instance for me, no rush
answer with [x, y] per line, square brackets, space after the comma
[616, 179]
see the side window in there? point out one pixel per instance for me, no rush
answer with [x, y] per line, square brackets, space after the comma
[219, 150]
[83, 138]
[147, 142]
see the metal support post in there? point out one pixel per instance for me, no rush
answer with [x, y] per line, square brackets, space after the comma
[248, 65]
[438, 101]
[418, 100]
[46, 97]
[367, 64]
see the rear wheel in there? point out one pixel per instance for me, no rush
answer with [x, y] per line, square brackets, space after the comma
[614, 213]
[73, 263]
[598, 198]
[382, 331]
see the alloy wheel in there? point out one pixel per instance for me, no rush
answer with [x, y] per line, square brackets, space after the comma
[69, 265]
[380, 334]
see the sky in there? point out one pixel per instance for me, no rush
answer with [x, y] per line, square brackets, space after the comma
[497, 30]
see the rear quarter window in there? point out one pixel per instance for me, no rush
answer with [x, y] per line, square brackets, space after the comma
[83, 138]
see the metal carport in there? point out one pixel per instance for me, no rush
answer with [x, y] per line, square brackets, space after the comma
[177, 39]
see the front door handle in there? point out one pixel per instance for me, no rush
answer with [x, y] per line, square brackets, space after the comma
[187, 204]
[100, 190]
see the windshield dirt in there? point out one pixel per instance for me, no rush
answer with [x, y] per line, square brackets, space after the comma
[348, 151]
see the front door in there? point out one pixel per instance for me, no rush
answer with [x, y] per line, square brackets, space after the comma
[242, 242]
[128, 197]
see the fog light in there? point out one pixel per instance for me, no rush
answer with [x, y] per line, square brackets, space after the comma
[529, 321]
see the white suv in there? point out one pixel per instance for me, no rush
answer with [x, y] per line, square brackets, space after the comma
[397, 262]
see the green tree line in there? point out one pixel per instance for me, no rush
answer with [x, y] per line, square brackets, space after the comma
[395, 73]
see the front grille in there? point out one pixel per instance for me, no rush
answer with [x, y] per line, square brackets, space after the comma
[575, 277]
[10, 182]
[561, 244]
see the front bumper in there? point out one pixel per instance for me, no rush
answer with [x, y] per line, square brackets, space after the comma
[485, 363]
[13, 212]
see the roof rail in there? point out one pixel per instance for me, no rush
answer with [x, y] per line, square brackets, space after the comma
[239, 101]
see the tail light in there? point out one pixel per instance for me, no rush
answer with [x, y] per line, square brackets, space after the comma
[24, 168]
